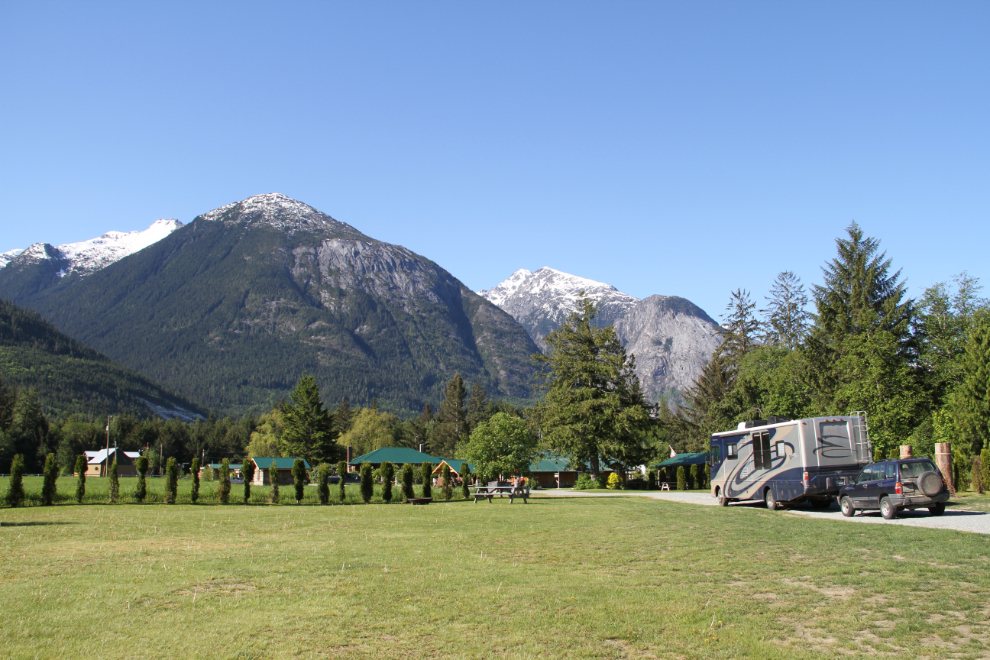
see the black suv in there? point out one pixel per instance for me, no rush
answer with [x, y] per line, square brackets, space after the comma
[907, 483]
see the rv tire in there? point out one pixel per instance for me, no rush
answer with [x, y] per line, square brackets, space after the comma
[723, 500]
[771, 501]
[848, 510]
[887, 509]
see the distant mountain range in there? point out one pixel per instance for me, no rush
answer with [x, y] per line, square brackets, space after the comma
[671, 337]
[232, 308]
[72, 378]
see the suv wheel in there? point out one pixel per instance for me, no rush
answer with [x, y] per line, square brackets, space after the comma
[937, 509]
[887, 510]
[771, 501]
[848, 510]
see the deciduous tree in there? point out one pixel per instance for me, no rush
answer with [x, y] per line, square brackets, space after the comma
[503, 445]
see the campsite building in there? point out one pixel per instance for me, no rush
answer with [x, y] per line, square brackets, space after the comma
[396, 456]
[282, 465]
[98, 462]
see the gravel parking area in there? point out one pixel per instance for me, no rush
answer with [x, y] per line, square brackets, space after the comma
[954, 517]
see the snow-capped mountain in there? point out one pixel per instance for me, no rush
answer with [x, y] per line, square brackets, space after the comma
[543, 300]
[671, 337]
[86, 257]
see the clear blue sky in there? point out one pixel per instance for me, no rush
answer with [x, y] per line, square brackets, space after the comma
[683, 148]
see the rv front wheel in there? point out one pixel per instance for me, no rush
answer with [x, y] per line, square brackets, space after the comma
[771, 501]
[848, 510]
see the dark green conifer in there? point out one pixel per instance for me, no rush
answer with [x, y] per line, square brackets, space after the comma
[367, 483]
[341, 485]
[299, 478]
[141, 491]
[15, 486]
[407, 482]
[465, 480]
[81, 463]
[114, 492]
[247, 471]
[223, 490]
[49, 488]
[447, 476]
[426, 471]
[273, 477]
[322, 483]
[694, 477]
[171, 480]
[388, 475]
[194, 471]
[681, 478]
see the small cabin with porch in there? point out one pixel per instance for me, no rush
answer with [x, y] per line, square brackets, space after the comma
[283, 466]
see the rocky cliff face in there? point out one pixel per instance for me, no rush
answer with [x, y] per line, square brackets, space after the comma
[670, 337]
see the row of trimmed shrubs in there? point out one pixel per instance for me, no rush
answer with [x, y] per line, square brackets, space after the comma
[15, 495]
[694, 478]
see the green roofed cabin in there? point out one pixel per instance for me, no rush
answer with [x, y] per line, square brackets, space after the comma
[668, 468]
[554, 472]
[454, 465]
[395, 455]
[282, 465]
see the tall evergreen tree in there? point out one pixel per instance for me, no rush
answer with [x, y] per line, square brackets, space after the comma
[477, 407]
[342, 418]
[15, 485]
[194, 473]
[299, 478]
[273, 494]
[407, 482]
[593, 408]
[388, 475]
[971, 400]
[465, 480]
[81, 463]
[322, 483]
[367, 483]
[141, 491]
[741, 326]
[50, 487]
[704, 411]
[113, 493]
[308, 425]
[786, 319]
[342, 485]
[171, 480]
[452, 427]
[223, 489]
[247, 471]
[426, 472]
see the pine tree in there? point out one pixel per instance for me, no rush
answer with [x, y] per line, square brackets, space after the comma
[426, 472]
[171, 480]
[81, 463]
[15, 485]
[971, 400]
[342, 418]
[741, 327]
[465, 480]
[786, 319]
[273, 478]
[299, 478]
[707, 407]
[49, 489]
[194, 471]
[113, 494]
[308, 425]
[593, 408]
[445, 476]
[452, 427]
[247, 470]
[477, 407]
[407, 482]
[141, 491]
[223, 490]
[388, 475]
[341, 486]
[367, 483]
[322, 482]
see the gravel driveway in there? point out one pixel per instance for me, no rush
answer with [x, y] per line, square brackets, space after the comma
[953, 518]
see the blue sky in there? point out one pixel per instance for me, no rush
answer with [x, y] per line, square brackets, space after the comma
[675, 148]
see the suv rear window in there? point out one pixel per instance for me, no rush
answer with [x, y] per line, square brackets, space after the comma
[915, 470]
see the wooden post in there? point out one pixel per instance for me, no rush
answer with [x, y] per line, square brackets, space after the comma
[906, 451]
[943, 460]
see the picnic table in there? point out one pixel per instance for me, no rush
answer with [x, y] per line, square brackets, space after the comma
[501, 489]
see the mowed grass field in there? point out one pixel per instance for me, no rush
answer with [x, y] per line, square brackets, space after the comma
[557, 578]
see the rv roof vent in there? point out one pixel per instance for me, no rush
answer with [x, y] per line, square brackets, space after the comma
[777, 419]
[756, 422]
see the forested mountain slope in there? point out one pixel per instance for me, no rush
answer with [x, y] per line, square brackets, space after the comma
[72, 378]
[233, 307]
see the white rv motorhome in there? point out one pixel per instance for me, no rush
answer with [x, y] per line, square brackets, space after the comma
[781, 460]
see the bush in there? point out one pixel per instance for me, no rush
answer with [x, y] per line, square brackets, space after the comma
[602, 480]
[341, 487]
[223, 490]
[614, 481]
[693, 477]
[681, 478]
[114, 493]
[49, 489]
[141, 491]
[367, 483]
[81, 463]
[465, 480]
[273, 478]
[194, 471]
[585, 482]
[407, 482]
[247, 471]
[299, 478]
[208, 474]
[447, 488]
[388, 474]
[322, 485]
[15, 487]
[171, 480]
[426, 471]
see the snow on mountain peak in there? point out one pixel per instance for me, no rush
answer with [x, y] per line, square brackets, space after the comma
[8, 256]
[276, 210]
[500, 293]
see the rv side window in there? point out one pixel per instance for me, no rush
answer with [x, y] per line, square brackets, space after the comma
[761, 450]
[730, 450]
[778, 450]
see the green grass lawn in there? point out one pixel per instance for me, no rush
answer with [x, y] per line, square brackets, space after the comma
[557, 578]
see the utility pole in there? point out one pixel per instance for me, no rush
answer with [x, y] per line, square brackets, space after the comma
[103, 470]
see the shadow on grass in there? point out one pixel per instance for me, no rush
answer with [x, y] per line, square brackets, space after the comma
[33, 524]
